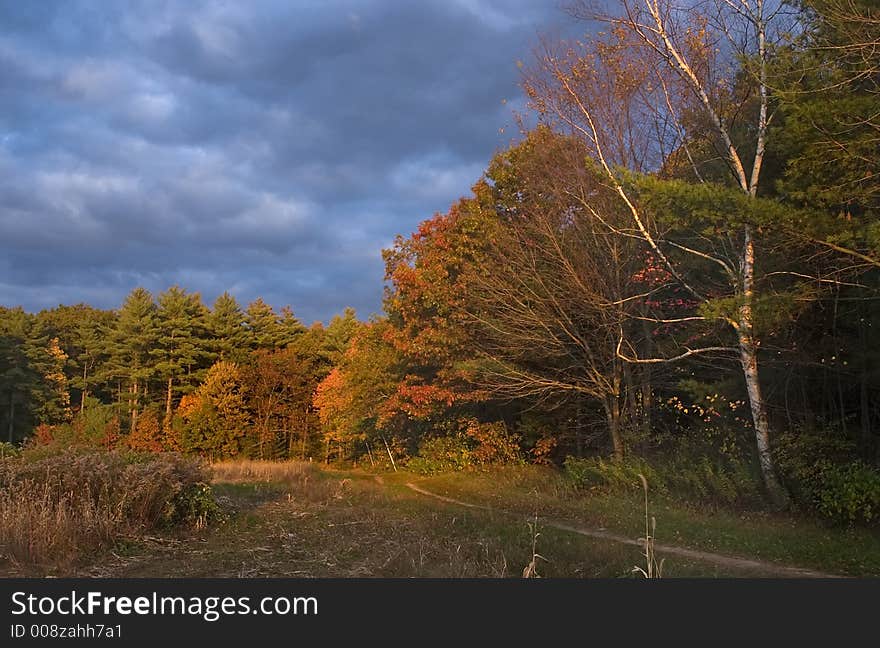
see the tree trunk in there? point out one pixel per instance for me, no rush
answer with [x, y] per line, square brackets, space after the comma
[864, 395]
[749, 359]
[85, 389]
[168, 416]
[134, 406]
[631, 402]
[390, 456]
[305, 431]
[647, 394]
[612, 412]
[647, 400]
[290, 437]
[11, 414]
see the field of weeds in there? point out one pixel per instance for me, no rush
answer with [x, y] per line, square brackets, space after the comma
[59, 508]
[109, 514]
[293, 519]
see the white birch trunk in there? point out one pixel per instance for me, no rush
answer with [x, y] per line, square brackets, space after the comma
[749, 359]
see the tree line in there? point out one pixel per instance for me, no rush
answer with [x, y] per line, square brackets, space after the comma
[685, 247]
[683, 250]
[167, 372]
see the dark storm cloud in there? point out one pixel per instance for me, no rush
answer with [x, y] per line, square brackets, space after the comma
[269, 148]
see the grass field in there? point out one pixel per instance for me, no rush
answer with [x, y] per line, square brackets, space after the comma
[296, 520]
[782, 538]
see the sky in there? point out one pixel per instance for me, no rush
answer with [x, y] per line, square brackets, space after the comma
[269, 148]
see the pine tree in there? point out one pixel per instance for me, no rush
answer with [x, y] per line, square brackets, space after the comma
[90, 351]
[263, 325]
[132, 342]
[181, 322]
[339, 333]
[80, 331]
[17, 378]
[291, 327]
[226, 324]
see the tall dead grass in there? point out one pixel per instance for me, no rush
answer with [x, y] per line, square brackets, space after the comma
[300, 480]
[55, 509]
[249, 471]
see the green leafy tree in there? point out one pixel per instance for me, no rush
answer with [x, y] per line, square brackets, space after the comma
[215, 418]
[826, 132]
[338, 334]
[279, 385]
[81, 331]
[354, 401]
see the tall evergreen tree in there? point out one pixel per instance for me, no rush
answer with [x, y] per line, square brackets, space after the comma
[291, 327]
[132, 343]
[339, 334]
[89, 352]
[263, 325]
[182, 347]
[226, 324]
[17, 378]
[49, 393]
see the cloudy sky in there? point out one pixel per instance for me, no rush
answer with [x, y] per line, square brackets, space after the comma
[271, 148]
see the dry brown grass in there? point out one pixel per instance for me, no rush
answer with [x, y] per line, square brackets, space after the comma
[39, 526]
[298, 480]
[56, 509]
[250, 471]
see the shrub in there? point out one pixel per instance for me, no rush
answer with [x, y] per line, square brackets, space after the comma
[194, 504]
[804, 460]
[493, 443]
[147, 435]
[600, 473]
[702, 478]
[442, 454]
[8, 450]
[713, 480]
[469, 445]
[97, 425]
[850, 494]
[58, 506]
[824, 475]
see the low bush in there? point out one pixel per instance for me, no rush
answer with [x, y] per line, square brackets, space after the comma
[702, 479]
[605, 474]
[493, 444]
[824, 475]
[442, 454]
[710, 480]
[850, 494]
[57, 507]
[473, 445]
[8, 450]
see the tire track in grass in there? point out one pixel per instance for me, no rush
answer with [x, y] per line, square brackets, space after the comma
[724, 560]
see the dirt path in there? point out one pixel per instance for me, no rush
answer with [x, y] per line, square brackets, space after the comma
[718, 559]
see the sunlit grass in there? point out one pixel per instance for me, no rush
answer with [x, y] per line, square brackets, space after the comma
[781, 538]
[250, 470]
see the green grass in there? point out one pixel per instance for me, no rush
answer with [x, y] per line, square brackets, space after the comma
[781, 538]
[307, 522]
[343, 527]
[336, 524]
